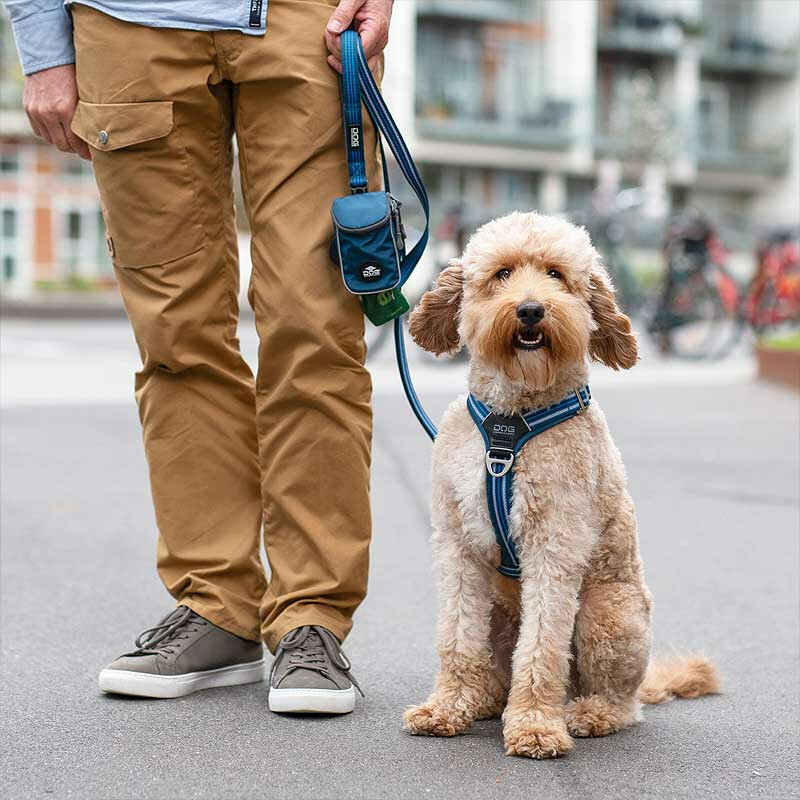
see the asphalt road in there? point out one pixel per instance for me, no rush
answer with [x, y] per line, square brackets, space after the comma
[713, 467]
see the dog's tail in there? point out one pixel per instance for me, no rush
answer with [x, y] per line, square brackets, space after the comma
[687, 676]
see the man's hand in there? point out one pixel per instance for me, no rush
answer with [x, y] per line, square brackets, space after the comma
[370, 18]
[49, 99]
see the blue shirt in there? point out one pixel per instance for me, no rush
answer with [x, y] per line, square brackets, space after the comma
[43, 28]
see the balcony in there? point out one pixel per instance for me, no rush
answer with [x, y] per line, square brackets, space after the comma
[628, 40]
[548, 129]
[497, 11]
[772, 161]
[743, 55]
[641, 28]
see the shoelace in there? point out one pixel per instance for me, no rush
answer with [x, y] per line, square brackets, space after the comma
[162, 638]
[312, 647]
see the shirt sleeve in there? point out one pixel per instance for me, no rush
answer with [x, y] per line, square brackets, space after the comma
[43, 33]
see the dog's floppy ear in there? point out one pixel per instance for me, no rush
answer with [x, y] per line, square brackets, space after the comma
[613, 343]
[433, 324]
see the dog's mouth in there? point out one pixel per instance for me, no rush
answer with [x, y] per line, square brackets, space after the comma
[529, 338]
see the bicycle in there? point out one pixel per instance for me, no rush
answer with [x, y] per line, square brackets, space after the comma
[772, 298]
[697, 312]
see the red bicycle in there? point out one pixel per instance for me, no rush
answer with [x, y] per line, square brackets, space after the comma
[772, 299]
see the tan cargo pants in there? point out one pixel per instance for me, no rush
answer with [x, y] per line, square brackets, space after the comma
[292, 449]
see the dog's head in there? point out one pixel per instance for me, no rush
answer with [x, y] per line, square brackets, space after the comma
[528, 297]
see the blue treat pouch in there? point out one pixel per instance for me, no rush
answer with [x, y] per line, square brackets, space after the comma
[368, 241]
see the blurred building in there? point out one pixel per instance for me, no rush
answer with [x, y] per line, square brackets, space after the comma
[531, 103]
[511, 104]
[51, 229]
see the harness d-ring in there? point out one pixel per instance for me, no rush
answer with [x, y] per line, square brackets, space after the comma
[506, 462]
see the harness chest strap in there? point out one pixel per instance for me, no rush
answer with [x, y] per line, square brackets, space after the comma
[504, 436]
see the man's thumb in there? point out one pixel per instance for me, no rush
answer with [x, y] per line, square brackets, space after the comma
[342, 17]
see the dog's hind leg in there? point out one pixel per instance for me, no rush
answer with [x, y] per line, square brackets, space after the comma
[505, 630]
[467, 687]
[612, 635]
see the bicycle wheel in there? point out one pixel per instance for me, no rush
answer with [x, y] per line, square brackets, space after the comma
[693, 321]
[772, 313]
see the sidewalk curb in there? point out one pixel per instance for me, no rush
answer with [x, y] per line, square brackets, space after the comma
[106, 306]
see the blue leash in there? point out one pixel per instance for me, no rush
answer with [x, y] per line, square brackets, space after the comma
[358, 85]
[408, 385]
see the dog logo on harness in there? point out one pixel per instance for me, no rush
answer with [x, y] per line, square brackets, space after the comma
[355, 137]
[370, 272]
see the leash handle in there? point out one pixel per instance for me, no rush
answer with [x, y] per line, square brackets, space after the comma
[354, 63]
[351, 115]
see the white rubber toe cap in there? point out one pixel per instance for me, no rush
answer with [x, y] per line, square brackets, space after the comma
[312, 701]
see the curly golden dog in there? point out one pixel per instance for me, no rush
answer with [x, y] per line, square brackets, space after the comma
[564, 651]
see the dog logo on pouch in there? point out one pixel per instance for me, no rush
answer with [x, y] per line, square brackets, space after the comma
[355, 137]
[371, 272]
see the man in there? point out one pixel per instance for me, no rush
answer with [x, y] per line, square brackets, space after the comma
[153, 93]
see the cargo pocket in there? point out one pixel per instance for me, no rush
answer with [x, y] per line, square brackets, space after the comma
[151, 209]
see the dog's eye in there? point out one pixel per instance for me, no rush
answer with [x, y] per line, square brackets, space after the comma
[554, 273]
[503, 274]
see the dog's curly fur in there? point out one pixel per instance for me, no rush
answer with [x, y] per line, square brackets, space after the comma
[564, 651]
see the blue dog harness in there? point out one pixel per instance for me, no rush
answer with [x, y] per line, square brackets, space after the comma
[504, 436]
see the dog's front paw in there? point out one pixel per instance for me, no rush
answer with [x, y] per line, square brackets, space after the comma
[540, 739]
[430, 719]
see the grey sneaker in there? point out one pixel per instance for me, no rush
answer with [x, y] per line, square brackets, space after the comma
[311, 674]
[183, 654]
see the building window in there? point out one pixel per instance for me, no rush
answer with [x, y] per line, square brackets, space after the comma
[478, 72]
[77, 167]
[73, 225]
[9, 223]
[579, 193]
[732, 24]
[9, 161]
[9, 242]
[103, 258]
[83, 250]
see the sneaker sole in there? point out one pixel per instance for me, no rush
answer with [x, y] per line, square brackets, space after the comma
[142, 684]
[312, 701]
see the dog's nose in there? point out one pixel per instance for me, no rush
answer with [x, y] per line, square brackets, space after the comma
[530, 312]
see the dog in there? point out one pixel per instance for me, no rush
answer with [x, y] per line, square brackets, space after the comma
[565, 650]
